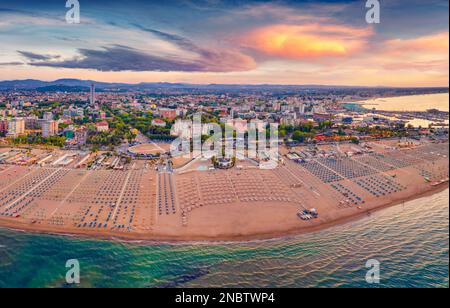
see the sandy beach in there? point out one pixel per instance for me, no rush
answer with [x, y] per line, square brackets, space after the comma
[132, 237]
[221, 205]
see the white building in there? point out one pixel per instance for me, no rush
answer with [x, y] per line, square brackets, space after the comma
[182, 128]
[300, 108]
[48, 116]
[185, 129]
[73, 112]
[16, 127]
[92, 94]
[49, 128]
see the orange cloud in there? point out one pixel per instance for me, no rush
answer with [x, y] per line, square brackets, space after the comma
[433, 43]
[306, 42]
[433, 65]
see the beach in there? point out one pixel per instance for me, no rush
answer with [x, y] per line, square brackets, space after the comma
[241, 234]
[220, 205]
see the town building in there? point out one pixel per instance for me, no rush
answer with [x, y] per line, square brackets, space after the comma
[48, 116]
[238, 124]
[158, 122]
[92, 94]
[16, 127]
[102, 126]
[167, 113]
[73, 112]
[3, 126]
[49, 128]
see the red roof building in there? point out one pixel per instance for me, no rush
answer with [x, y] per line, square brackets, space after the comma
[102, 126]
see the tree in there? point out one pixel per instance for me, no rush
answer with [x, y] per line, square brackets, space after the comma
[354, 140]
[298, 136]
[214, 160]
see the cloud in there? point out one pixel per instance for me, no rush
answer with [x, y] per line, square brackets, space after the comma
[124, 58]
[438, 43]
[37, 57]
[261, 41]
[11, 63]
[423, 66]
[209, 56]
[178, 40]
[183, 56]
[424, 54]
[11, 18]
[307, 42]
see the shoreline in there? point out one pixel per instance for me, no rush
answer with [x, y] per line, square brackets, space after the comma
[152, 239]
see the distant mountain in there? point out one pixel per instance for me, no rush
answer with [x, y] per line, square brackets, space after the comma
[22, 84]
[78, 85]
[57, 85]
[62, 88]
[67, 82]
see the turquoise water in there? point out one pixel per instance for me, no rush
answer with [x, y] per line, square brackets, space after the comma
[354, 107]
[411, 242]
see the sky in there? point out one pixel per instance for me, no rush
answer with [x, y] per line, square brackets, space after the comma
[228, 42]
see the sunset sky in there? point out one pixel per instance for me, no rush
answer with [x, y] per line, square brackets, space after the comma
[213, 41]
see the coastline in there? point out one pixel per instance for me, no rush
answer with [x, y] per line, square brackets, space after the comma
[220, 239]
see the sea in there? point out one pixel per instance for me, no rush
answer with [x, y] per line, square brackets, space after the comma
[424, 102]
[409, 242]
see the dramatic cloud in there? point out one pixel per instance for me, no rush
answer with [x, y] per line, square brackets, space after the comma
[123, 58]
[426, 54]
[212, 60]
[306, 42]
[215, 41]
